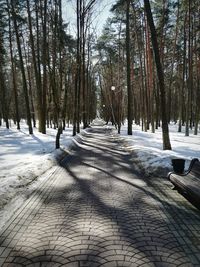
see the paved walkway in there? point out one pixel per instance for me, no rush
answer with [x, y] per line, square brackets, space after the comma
[95, 210]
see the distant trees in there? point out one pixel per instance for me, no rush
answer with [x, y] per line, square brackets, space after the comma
[38, 65]
[176, 25]
[111, 75]
[82, 78]
[47, 76]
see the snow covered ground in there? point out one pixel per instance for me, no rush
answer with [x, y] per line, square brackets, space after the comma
[23, 160]
[27, 160]
[146, 148]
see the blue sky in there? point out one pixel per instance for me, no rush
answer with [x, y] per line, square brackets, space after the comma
[101, 13]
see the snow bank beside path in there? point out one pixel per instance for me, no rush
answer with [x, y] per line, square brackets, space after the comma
[146, 148]
[23, 160]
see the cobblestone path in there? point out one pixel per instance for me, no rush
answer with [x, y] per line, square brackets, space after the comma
[95, 210]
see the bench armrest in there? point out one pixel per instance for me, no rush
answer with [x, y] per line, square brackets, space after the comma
[191, 164]
[179, 174]
[187, 171]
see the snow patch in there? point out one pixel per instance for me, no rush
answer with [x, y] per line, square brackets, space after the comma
[147, 149]
[25, 161]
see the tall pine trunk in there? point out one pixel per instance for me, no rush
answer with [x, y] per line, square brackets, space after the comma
[75, 115]
[22, 68]
[13, 71]
[128, 63]
[36, 71]
[44, 64]
[165, 129]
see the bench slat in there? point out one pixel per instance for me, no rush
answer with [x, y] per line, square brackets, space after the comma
[188, 182]
[196, 169]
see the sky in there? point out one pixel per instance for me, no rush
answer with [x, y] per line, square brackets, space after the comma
[101, 13]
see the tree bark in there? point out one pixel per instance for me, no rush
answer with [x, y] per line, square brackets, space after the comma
[44, 63]
[165, 129]
[75, 115]
[59, 132]
[190, 79]
[25, 88]
[13, 71]
[36, 72]
[128, 63]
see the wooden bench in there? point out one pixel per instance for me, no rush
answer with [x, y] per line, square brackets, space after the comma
[188, 183]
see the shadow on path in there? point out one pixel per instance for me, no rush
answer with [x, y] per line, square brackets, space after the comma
[98, 211]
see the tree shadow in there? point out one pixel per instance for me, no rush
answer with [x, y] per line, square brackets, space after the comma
[96, 213]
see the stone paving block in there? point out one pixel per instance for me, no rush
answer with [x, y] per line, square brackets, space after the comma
[60, 259]
[188, 264]
[2, 260]
[71, 264]
[38, 264]
[88, 264]
[2, 250]
[115, 258]
[5, 253]
[10, 264]
[42, 258]
[125, 264]
[110, 264]
[163, 264]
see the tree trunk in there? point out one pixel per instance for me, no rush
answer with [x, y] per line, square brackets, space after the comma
[25, 88]
[84, 26]
[59, 132]
[181, 103]
[3, 98]
[169, 100]
[75, 117]
[129, 91]
[79, 55]
[44, 63]
[36, 72]
[189, 87]
[165, 129]
[13, 71]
